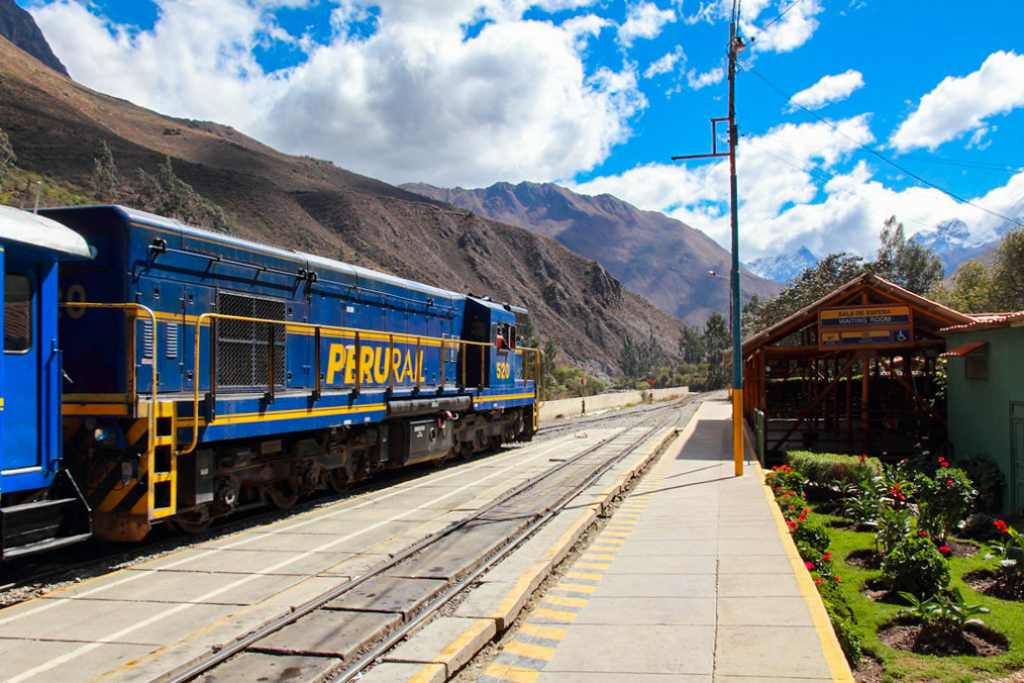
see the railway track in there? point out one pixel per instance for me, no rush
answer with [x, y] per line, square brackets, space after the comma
[347, 628]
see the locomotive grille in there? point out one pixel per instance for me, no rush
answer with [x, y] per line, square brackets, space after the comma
[243, 347]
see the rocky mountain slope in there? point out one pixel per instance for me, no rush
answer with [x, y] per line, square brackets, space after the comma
[56, 127]
[21, 29]
[659, 257]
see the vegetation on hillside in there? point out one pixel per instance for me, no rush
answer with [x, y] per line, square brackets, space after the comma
[973, 288]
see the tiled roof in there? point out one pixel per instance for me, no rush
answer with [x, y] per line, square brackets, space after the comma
[988, 321]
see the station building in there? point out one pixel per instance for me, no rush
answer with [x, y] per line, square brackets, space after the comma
[985, 373]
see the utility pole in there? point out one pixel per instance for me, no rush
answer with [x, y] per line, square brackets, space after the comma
[736, 46]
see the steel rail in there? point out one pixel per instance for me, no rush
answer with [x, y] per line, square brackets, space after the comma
[228, 651]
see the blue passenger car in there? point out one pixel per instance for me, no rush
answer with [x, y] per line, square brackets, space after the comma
[208, 373]
[40, 507]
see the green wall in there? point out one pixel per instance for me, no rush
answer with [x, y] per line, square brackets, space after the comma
[980, 410]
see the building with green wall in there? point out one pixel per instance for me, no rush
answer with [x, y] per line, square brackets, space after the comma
[985, 372]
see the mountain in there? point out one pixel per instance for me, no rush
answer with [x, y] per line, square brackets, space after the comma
[953, 243]
[783, 268]
[18, 26]
[57, 127]
[659, 257]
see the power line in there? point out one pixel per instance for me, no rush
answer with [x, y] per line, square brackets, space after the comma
[789, 100]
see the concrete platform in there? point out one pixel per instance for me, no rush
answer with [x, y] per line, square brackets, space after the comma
[694, 579]
[690, 581]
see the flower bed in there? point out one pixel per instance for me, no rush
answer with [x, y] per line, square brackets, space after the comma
[902, 566]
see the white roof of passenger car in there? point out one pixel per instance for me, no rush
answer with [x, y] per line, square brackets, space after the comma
[33, 230]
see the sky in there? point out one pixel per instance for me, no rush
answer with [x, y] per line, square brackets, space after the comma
[848, 111]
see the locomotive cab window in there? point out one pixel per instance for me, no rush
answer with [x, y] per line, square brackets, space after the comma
[17, 313]
[504, 337]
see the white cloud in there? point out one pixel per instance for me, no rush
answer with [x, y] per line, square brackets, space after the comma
[415, 100]
[962, 104]
[644, 20]
[698, 81]
[666, 63]
[795, 192]
[794, 28]
[829, 89]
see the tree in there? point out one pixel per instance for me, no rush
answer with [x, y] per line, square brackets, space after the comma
[7, 155]
[970, 290]
[637, 359]
[1007, 273]
[910, 265]
[814, 283]
[106, 184]
[691, 345]
[716, 341]
[168, 195]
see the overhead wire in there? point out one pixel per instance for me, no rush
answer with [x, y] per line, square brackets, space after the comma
[879, 155]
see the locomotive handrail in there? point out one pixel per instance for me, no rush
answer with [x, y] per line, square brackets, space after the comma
[132, 384]
[358, 335]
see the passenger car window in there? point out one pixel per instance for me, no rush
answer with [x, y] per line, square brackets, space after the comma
[17, 313]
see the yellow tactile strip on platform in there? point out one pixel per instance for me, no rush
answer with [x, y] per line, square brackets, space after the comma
[535, 644]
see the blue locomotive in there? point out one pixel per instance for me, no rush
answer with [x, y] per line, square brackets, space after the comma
[205, 374]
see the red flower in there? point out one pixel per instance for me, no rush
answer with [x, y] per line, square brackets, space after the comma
[809, 565]
[863, 457]
[838, 580]
[949, 482]
[792, 507]
[922, 534]
[819, 581]
[944, 549]
[827, 557]
[1001, 525]
[792, 525]
[944, 463]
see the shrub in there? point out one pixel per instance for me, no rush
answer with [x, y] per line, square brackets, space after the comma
[893, 526]
[812, 535]
[944, 500]
[831, 468]
[979, 527]
[988, 481]
[1010, 548]
[785, 478]
[915, 566]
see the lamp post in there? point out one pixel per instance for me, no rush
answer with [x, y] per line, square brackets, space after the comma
[736, 46]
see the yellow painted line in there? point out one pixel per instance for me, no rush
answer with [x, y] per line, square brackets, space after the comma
[592, 565]
[575, 587]
[616, 543]
[518, 647]
[429, 673]
[587, 576]
[599, 548]
[555, 614]
[616, 534]
[543, 631]
[834, 657]
[456, 647]
[517, 674]
[598, 556]
[563, 601]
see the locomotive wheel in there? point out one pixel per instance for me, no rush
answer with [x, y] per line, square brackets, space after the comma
[338, 479]
[281, 495]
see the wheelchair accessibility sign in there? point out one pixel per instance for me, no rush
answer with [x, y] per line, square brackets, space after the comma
[860, 326]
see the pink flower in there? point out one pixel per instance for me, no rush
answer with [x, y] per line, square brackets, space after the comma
[949, 482]
[819, 581]
[809, 565]
[838, 580]
[944, 549]
[944, 463]
[792, 525]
